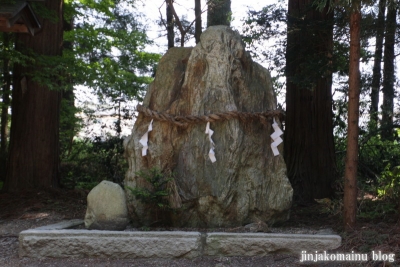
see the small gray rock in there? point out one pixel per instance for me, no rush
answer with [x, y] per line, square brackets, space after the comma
[106, 208]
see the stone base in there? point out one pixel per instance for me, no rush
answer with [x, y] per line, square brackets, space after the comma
[52, 242]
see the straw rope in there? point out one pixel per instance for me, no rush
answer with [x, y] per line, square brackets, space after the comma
[220, 116]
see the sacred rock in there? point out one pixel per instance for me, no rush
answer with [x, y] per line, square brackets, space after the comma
[247, 183]
[106, 207]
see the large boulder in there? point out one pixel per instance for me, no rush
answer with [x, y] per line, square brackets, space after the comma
[106, 207]
[247, 183]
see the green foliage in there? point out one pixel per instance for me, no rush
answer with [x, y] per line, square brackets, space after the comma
[264, 33]
[340, 63]
[103, 6]
[389, 183]
[91, 161]
[266, 25]
[70, 125]
[376, 158]
[378, 181]
[51, 71]
[43, 12]
[377, 209]
[106, 30]
[155, 192]
[108, 52]
[154, 189]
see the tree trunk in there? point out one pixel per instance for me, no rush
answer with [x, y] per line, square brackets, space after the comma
[388, 74]
[350, 174]
[170, 26]
[219, 13]
[197, 25]
[170, 4]
[5, 106]
[34, 140]
[309, 147]
[376, 75]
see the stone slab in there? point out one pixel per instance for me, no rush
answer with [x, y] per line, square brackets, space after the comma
[107, 244]
[47, 241]
[260, 244]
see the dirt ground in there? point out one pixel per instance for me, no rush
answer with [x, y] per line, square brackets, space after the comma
[23, 211]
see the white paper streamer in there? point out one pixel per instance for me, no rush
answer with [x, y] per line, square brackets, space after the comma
[145, 138]
[276, 137]
[210, 132]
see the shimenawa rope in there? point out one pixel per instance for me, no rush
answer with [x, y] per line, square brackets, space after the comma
[220, 116]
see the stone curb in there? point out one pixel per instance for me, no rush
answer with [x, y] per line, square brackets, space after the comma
[52, 242]
[255, 244]
[107, 244]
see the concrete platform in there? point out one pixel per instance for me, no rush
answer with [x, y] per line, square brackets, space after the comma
[57, 242]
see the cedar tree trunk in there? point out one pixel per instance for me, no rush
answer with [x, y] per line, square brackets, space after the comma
[376, 71]
[34, 139]
[309, 145]
[197, 25]
[170, 25]
[350, 174]
[5, 106]
[219, 13]
[389, 74]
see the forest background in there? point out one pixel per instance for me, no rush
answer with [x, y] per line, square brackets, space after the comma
[107, 59]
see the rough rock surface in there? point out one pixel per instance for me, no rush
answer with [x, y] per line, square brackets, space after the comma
[107, 208]
[247, 183]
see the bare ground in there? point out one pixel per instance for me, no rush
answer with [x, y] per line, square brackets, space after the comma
[23, 211]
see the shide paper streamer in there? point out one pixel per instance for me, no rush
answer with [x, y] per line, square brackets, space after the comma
[211, 154]
[276, 137]
[274, 145]
[145, 138]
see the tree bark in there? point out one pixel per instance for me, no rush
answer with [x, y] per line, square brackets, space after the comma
[389, 74]
[376, 75]
[309, 147]
[170, 25]
[197, 25]
[219, 13]
[351, 164]
[34, 140]
[5, 106]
